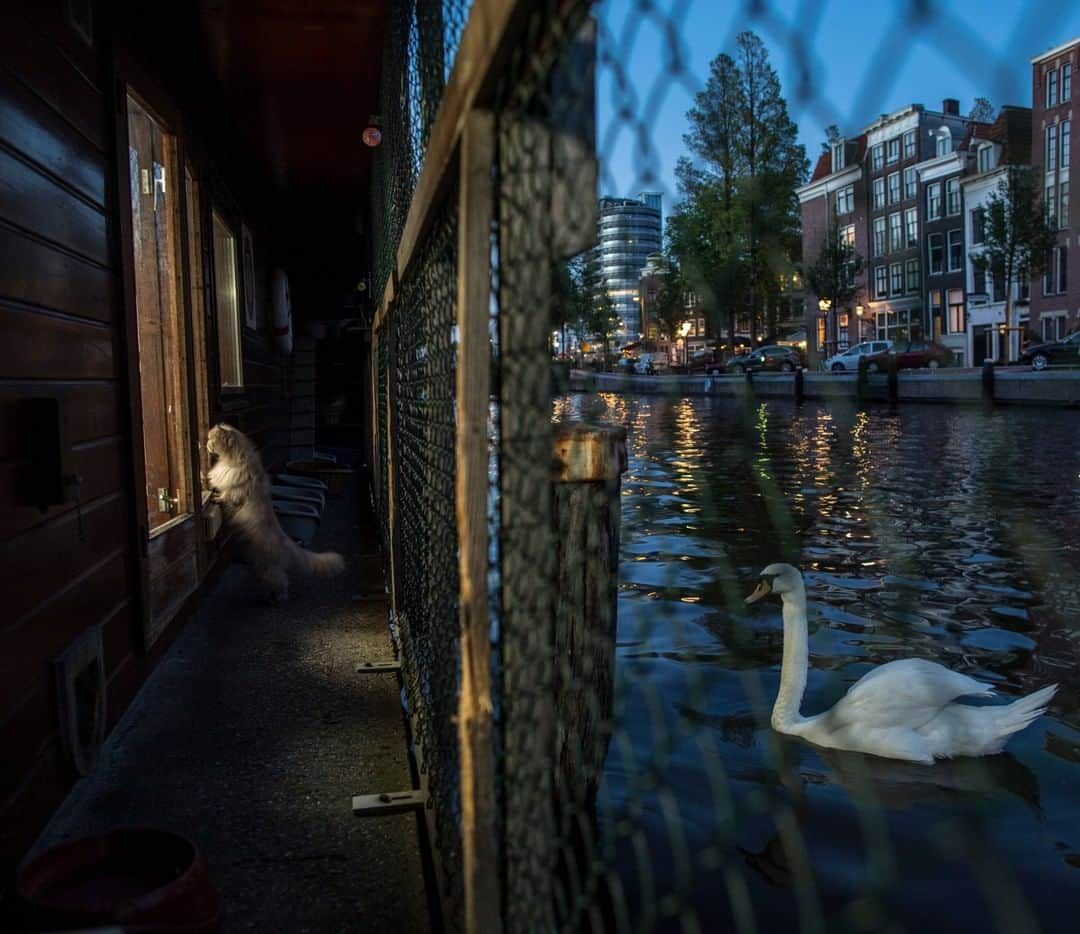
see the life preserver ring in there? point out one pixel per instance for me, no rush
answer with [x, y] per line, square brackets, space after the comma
[281, 323]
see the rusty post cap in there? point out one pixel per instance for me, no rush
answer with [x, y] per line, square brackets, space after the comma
[587, 452]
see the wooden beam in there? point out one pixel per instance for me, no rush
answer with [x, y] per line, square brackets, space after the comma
[475, 713]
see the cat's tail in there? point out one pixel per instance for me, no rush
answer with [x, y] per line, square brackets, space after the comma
[319, 563]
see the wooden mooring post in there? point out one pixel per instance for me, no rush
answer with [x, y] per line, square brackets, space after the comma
[589, 461]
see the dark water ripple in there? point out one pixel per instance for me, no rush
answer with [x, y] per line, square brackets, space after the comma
[952, 535]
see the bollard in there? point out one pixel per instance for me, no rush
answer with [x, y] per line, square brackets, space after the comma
[589, 461]
[988, 382]
[894, 378]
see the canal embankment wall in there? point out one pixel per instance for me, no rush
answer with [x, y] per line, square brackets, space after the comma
[958, 386]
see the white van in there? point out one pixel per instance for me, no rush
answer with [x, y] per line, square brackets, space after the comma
[848, 360]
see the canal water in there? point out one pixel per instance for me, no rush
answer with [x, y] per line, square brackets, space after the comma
[947, 534]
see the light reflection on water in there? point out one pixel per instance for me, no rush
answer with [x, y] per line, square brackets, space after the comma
[952, 535]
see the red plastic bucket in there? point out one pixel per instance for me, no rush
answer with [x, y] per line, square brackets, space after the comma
[144, 879]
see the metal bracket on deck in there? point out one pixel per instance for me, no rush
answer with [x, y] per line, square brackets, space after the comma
[389, 802]
[375, 667]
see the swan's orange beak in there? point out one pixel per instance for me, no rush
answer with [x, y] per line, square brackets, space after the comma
[763, 589]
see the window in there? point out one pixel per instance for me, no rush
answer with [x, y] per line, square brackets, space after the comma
[956, 311]
[846, 236]
[910, 183]
[1066, 142]
[1051, 204]
[936, 249]
[837, 156]
[912, 274]
[1063, 206]
[879, 193]
[227, 296]
[1053, 327]
[1051, 79]
[978, 279]
[952, 196]
[845, 200]
[911, 224]
[997, 286]
[896, 233]
[1062, 269]
[821, 331]
[842, 329]
[198, 320]
[896, 277]
[1051, 147]
[909, 144]
[877, 155]
[894, 187]
[894, 150]
[1055, 279]
[978, 224]
[879, 236]
[881, 282]
[937, 309]
[933, 201]
[1066, 82]
[986, 157]
[943, 141]
[956, 250]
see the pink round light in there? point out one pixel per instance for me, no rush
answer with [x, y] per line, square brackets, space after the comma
[372, 136]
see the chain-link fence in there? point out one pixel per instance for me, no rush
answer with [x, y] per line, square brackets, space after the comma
[592, 772]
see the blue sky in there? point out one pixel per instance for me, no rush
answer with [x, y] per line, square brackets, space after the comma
[864, 57]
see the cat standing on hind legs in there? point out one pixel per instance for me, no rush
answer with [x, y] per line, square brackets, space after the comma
[242, 486]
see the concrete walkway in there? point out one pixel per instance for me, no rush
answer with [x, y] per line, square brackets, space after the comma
[251, 737]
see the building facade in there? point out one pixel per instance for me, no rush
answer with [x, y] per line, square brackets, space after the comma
[628, 230]
[1055, 296]
[834, 199]
[1008, 143]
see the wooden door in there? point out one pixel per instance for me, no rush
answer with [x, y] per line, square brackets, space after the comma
[171, 499]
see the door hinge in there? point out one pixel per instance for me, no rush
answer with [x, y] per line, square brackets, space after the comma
[167, 503]
[145, 176]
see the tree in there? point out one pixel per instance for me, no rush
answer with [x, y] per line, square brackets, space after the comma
[600, 320]
[833, 273]
[738, 223]
[571, 299]
[982, 110]
[832, 134]
[1018, 236]
[670, 303]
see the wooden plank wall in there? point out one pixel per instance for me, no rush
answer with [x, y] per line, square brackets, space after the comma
[62, 334]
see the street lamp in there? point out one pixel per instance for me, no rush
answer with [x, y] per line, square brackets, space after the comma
[684, 329]
[859, 317]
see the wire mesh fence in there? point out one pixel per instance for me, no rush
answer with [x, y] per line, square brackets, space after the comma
[639, 781]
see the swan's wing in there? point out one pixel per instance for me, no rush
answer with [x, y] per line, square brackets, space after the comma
[905, 693]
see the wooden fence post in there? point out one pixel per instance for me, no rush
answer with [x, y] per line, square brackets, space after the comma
[481, 854]
[588, 466]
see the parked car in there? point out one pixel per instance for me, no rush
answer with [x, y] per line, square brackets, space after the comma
[910, 355]
[1066, 350]
[849, 359]
[786, 359]
[704, 361]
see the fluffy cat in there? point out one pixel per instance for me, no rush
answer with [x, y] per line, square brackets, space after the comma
[242, 486]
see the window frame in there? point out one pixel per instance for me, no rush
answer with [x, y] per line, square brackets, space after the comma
[1050, 82]
[984, 157]
[219, 219]
[881, 281]
[879, 229]
[893, 186]
[892, 150]
[956, 246]
[931, 245]
[911, 275]
[953, 198]
[1063, 204]
[896, 232]
[955, 308]
[934, 199]
[1050, 211]
[896, 279]
[978, 224]
[1065, 91]
[909, 144]
[911, 183]
[848, 199]
[1066, 143]
[879, 193]
[911, 230]
[877, 156]
[1050, 148]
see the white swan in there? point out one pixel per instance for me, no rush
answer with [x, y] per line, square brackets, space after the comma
[901, 710]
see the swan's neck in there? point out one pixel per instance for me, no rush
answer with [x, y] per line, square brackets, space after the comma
[785, 713]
